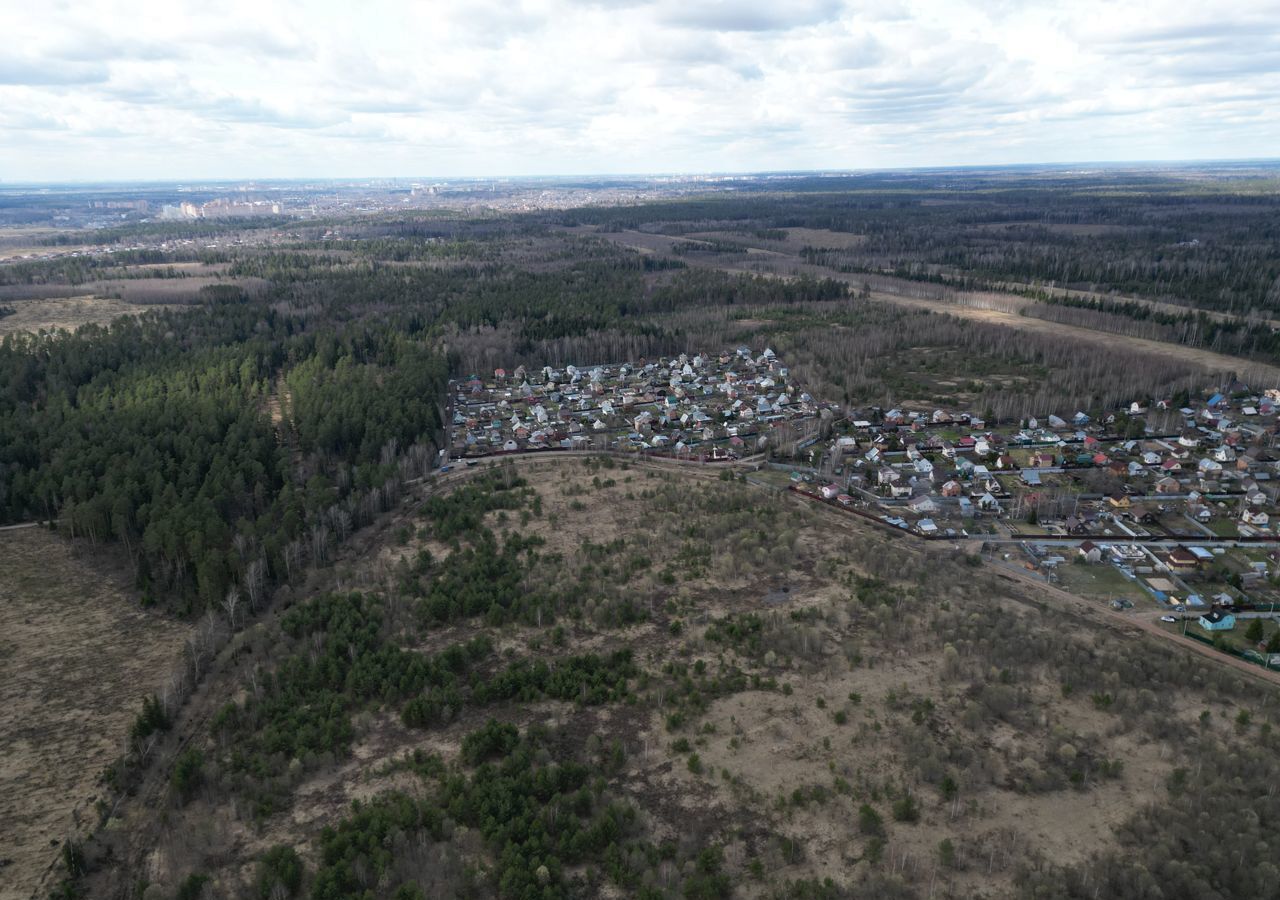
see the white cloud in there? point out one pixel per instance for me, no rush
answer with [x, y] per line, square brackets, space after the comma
[256, 88]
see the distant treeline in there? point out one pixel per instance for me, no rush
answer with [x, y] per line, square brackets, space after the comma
[1202, 244]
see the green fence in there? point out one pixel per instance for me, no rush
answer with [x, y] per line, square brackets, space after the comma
[1249, 656]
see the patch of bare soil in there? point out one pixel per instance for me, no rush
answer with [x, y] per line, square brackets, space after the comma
[77, 655]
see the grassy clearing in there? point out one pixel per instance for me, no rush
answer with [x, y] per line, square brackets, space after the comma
[77, 655]
[791, 673]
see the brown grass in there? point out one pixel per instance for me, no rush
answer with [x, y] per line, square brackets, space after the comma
[76, 656]
[757, 747]
[68, 313]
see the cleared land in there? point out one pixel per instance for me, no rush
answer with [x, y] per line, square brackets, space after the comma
[947, 700]
[787, 264]
[1216, 362]
[69, 313]
[77, 655]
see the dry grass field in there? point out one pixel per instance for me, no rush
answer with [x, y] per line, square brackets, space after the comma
[886, 684]
[67, 313]
[77, 655]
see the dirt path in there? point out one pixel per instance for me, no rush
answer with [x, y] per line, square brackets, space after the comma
[1174, 309]
[1205, 358]
[1216, 362]
[1143, 622]
[1132, 620]
[278, 400]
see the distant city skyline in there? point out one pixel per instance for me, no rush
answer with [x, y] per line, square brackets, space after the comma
[106, 91]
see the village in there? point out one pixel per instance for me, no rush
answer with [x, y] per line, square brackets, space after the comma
[1161, 505]
[705, 408]
[1168, 504]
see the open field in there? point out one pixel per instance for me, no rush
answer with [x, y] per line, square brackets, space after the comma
[17, 242]
[76, 657]
[145, 291]
[67, 313]
[879, 689]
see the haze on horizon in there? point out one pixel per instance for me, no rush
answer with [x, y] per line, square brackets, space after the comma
[104, 90]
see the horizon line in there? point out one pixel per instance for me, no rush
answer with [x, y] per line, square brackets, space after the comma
[706, 173]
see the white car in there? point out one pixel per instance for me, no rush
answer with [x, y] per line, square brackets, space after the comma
[1168, 618]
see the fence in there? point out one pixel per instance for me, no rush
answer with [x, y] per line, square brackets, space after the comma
[1250, 656]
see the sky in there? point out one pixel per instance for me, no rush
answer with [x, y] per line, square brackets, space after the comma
[104, 90]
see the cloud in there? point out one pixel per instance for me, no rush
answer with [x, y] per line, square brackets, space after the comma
[308, 87]
[46, 72]
[30, 121]
[749, 15]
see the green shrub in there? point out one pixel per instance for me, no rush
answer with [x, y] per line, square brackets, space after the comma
[494, 739]
[869, 821]
[905, 808]
[280, 868]
[947, 854]
[188, 773]
[191, 887]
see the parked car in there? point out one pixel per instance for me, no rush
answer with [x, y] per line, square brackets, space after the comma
[1168, 618]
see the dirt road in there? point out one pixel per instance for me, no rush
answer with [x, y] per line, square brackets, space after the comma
[1143, 621]
[1137, 621]
[1218, 362]
[1263, 374]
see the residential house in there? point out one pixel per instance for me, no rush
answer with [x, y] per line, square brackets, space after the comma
[1181, 559]
[1208, 466]
[1217, 620]
[922, 504]
[1256, 517]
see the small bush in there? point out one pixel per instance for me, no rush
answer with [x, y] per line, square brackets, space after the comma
[279, 869]
[869, 821]
[188, 774]
[905, 808]
[191, 887]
